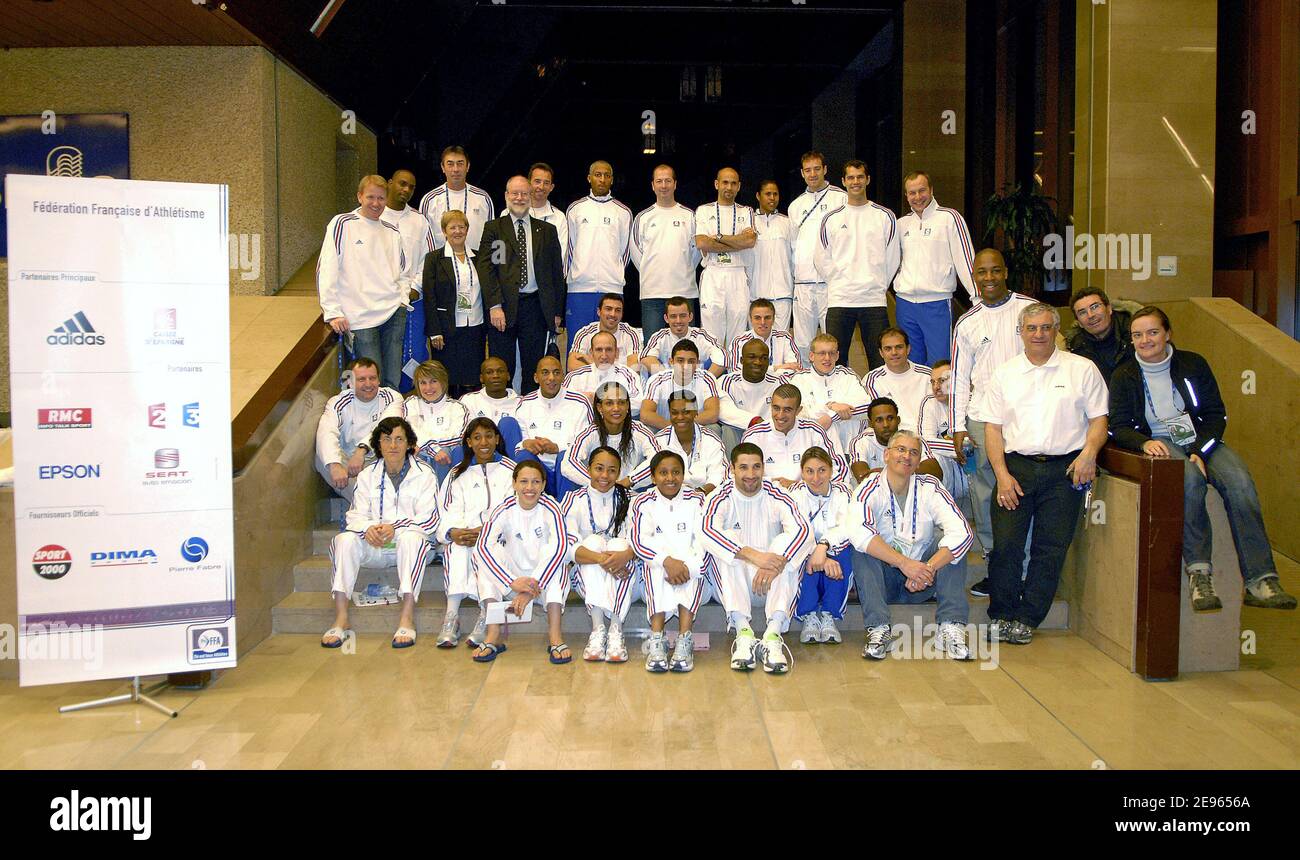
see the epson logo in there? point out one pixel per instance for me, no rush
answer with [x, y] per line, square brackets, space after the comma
[75, 331]
[68, 471]
[123, 557]
[63, 419]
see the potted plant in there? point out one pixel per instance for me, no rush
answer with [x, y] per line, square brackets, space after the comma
[1023, 218]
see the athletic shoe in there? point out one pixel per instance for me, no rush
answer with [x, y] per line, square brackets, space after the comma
[449, 635]
[479, 633]
[997, 630]
[952, 640]
[879, 640]
[615, 648]
[742, 650]
[830, 633]
[656, 654]
[773, 654]
[812, 628]
[683, 659]
[1018, 633]
[595, 650]
[981, 588]
[1267, 593]
[1201, 585]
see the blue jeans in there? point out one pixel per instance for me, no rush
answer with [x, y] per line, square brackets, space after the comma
[383, 343]
[881, 584]
[1229, 475]
[928, 326]
[820, 593]
[416, 347]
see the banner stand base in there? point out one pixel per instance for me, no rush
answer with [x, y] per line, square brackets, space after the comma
[136, 696]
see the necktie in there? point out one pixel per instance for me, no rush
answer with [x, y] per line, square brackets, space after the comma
[523, 254]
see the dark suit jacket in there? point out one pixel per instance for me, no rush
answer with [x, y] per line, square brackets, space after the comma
[440, 294]
[501, 280]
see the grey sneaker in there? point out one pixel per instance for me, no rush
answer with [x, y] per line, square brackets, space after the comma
[683, 659]
[1201, 585]
[952, 640]
[1267, 592]
[449, 635]
[1018, 633]
[479, 632]
[656, 654]
[812, 628]
[830, 633]
[879, 640]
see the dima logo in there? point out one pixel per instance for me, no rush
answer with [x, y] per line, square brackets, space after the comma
[122, 557]
[52, 562]
[76, 331]
[194, 549]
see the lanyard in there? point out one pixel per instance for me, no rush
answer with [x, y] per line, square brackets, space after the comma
[464, 206]
[487, 485]
[717, 217]
[1147, 392]
[383, 483]
[813, 207]
[827, 500]
[893, 516]
[455, 270]
[591, 515]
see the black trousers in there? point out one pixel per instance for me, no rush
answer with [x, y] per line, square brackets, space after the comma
[870, 322]
[529, 333]
[1052, 504]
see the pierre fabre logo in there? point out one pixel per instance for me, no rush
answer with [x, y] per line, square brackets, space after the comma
[194, 550]
[63, 419]
[209, 642]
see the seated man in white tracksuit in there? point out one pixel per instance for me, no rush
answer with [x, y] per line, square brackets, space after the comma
[831, 393]
[745, 395]
[604, 573]
[683, 372]
[911, 543]
[394, 511]
[547, 420]
[702, 451]
[758, 540]
[614, 427]
[934, 428]
[480, 481]
[667, 537]
[343, 432]
[520, 557]
[785, 437]
[604, 368]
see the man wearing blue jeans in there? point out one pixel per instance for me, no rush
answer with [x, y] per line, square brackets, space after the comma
[364, 282]
[663, 251]
[911, 543]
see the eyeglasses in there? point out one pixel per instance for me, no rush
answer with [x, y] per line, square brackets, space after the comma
[904, 451]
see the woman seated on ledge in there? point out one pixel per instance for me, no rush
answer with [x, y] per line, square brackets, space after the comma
[1167, 404]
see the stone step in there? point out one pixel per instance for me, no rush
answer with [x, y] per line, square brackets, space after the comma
[313, 612]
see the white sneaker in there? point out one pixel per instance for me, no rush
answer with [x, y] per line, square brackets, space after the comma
[449, 635]
[595, 650]
[615, 648]
[479, 633]
[879, 640]
[830, 633]
[774, 659]
[656, 649]
[812, 628]
[952, 640]
[683, 659]
[742, 651]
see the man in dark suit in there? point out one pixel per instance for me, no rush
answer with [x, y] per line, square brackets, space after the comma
[521, 263]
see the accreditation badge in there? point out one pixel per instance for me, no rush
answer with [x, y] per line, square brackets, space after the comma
[724, 258]
[1181, 429]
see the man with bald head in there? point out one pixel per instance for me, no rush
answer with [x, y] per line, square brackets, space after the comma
[725, 235]
[522, 268]
[600, 242]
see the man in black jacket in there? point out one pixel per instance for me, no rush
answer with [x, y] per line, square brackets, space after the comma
[1100, 332]
[1166, 403]
[523, 282]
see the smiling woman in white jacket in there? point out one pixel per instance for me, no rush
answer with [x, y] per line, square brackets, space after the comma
[393, 513]
[520, 557]
[478, 483]
[438, 420]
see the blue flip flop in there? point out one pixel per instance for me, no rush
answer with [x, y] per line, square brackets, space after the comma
[492, 655]
[341, 635]
[558, 661]
[407, 632]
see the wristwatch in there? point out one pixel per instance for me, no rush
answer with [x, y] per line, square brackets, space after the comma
[364, 447]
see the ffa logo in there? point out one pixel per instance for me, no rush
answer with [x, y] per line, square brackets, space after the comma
[557, 424]
[439, 420]
[681, 527]
[539, 531]
[606, 219]
[926, 231]
[677, 223]
[822, 207]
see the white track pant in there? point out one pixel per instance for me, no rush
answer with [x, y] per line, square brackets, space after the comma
[601, 590]
[458, 571]
[349, 552]
[783, 311]
[663, 596]
[346, 492]
[724, 303]
[491, 589]
[736, 582]
[809, 316]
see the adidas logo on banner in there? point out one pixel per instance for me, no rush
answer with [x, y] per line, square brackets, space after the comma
[75, 332]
